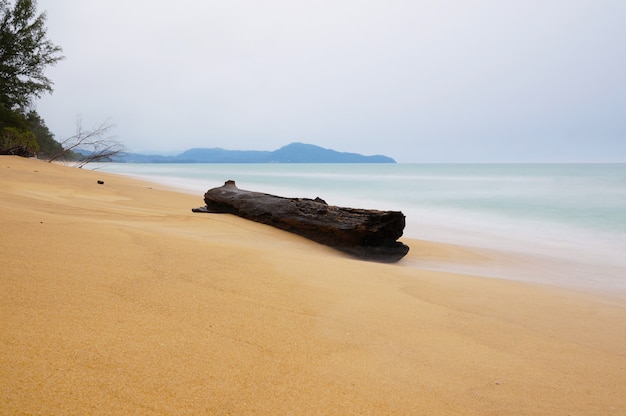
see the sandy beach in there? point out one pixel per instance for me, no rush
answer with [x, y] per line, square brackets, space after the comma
[116, 299]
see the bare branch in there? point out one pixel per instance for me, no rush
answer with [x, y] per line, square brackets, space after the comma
[93, 144]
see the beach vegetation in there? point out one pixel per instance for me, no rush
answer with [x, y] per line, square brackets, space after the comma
[14, 141]
[47, 144]
[25, 53]
[26, 122]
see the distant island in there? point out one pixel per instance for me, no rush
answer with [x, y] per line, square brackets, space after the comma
[292, 153]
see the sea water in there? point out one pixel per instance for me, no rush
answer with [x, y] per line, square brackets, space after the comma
[572, 217]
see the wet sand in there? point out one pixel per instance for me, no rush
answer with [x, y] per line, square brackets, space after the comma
[117, 299]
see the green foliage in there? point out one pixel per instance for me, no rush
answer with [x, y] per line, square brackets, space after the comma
[47, 144]
[24, 54]
[33, 123]
[10, 118]
[18, 142]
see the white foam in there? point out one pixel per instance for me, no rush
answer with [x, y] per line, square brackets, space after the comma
[568, 253]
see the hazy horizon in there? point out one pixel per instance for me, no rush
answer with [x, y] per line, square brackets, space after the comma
[451, 81]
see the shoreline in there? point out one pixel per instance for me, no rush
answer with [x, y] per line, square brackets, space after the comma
[545, 271]
[565, 268]
[116, 299]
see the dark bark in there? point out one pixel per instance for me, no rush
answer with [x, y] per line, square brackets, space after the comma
[16, 151]
[367, 234]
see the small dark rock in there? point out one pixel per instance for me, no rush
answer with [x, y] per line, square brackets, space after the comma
[100, 182]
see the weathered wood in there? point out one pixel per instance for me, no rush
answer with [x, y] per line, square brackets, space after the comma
[367, 234]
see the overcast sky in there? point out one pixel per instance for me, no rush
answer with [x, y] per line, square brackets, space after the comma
[420, 81]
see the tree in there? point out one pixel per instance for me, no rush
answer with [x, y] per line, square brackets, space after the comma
[18, 142]
[95, 144]
[25, 53]
[47, 144]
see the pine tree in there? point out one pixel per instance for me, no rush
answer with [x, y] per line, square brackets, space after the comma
[25, 53]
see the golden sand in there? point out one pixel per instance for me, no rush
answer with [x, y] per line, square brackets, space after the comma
[116, 299]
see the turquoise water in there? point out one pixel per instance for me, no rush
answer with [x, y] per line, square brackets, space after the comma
[571, 212]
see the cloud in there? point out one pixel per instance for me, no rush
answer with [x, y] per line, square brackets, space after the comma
[419, 81]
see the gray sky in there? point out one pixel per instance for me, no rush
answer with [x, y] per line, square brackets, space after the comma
[420, 81]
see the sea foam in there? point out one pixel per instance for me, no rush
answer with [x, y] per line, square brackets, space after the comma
[570, 218]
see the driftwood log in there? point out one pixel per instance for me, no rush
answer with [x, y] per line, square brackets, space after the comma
[367, 234]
